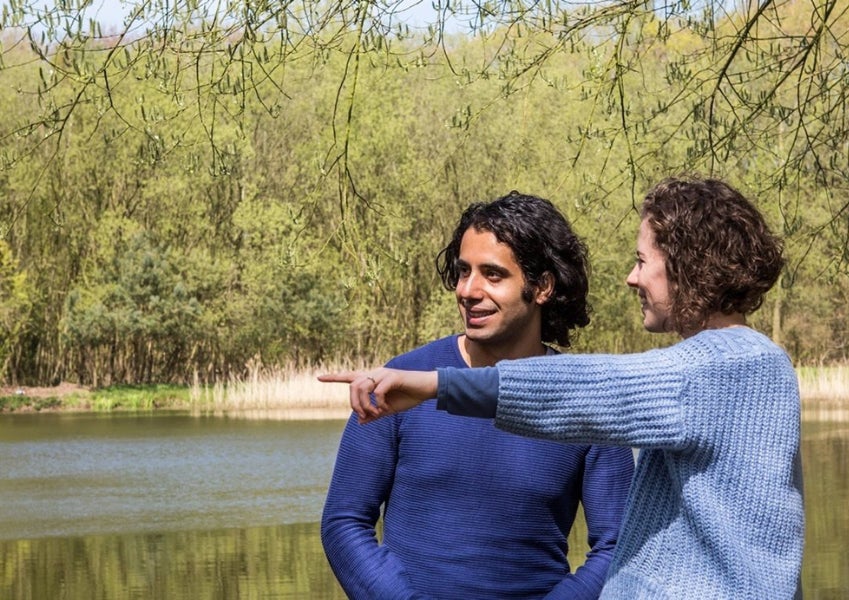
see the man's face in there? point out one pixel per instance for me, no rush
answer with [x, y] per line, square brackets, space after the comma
[648, 278]
[489, 293]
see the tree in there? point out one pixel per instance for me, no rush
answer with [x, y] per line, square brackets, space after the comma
[294, 168]
[15, 304]
[735, 76]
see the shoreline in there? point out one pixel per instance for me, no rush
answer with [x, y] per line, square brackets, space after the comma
[283, 414]
[315, 401]
[809, 413]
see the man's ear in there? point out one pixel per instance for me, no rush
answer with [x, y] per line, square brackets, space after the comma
[545, 288]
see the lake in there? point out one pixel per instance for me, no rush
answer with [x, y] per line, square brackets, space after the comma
[166, 506]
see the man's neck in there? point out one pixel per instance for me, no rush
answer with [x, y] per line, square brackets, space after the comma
[484, 355]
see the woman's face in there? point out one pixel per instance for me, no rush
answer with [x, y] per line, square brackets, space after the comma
[649, 280]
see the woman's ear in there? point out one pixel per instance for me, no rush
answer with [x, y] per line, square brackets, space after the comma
[545, 288]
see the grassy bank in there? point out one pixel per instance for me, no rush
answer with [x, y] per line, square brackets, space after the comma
[280, 393]
[289, 393]
[73, 398]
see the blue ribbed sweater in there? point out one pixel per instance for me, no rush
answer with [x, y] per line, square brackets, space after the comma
[471, 512]
[716, 508]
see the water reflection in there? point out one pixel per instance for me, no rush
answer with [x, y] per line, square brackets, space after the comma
[64, 475]
[262, 562]
[825, 448]
[180, 507]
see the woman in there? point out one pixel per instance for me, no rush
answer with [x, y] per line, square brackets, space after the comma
[715, 508]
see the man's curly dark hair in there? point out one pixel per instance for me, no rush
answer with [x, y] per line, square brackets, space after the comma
[542, 242]
[720, 254]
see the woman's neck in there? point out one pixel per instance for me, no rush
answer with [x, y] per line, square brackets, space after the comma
[721, 321]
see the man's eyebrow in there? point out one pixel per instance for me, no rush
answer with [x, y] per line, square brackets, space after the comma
[485, 266]
[495, 267]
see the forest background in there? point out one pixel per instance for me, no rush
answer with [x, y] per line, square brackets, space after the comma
[212, 187]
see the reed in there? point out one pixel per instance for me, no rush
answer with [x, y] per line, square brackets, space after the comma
[825, 392]
[294, 393]
[825, 383]
[283, 392]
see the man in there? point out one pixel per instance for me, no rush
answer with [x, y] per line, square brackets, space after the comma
[471, 511]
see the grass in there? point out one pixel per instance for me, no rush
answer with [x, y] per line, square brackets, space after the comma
[293, 393]
[281, 393]
[113, 398]
[19, 403]
[140, 397]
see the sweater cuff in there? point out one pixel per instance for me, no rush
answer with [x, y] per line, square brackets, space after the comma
[468, 392]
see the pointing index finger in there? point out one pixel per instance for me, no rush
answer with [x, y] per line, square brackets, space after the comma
[338, 377]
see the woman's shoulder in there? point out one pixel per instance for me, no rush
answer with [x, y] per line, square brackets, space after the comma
[735, 341]
[737, 349]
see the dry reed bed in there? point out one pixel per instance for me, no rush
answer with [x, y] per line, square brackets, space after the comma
[295, 394]
[283, 393]
[825, 392]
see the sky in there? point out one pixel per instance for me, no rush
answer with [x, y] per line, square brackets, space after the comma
[112, 12]
[109, 12]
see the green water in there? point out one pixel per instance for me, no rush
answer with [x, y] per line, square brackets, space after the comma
[825, 571]
[261, 562]
[176, 507]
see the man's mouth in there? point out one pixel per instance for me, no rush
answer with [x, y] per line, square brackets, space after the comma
[477, 317]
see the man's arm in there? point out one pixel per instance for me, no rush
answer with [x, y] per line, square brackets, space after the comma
[608, 471]
[358, 488]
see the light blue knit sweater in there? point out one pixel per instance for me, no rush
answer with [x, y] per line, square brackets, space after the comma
[715, 510]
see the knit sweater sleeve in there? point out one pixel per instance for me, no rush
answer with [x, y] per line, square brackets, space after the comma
[364, 568]
[608, 471]
[468, 392]
[631, 399]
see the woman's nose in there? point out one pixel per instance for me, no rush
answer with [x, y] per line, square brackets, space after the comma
[632, 278]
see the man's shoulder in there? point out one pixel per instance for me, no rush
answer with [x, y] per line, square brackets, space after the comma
[443, 352]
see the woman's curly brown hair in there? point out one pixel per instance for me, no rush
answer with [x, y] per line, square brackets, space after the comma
[720, 255]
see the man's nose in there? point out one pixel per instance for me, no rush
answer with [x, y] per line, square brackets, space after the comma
[469, 287]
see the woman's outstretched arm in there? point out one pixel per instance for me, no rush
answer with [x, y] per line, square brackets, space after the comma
[380, 392]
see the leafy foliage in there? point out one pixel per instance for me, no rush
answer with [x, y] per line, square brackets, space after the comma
[212, 184]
